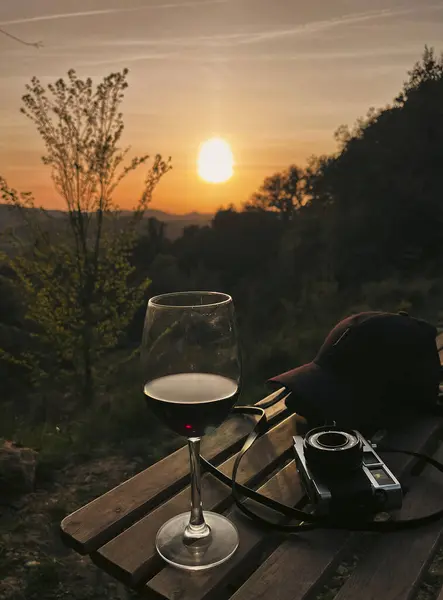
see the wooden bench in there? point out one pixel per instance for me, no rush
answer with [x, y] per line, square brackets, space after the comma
[117, 530]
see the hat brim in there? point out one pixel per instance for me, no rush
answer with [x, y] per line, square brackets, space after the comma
[317, 395]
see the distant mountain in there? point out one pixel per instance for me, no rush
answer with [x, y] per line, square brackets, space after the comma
[174, 223]
[11, 218]
[192, 217]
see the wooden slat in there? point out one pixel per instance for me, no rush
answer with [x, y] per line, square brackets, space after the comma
[439, 343]
[280, 394]
[300, 565]
[131, 556]
[171, 583]
[90, 527]
[396, 562]
[440, 596]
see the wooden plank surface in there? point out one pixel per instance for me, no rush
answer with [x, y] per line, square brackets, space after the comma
[172, 584]
[93, 525]
[439, 343]
[299, 566]
[395, 563]
[131, 556]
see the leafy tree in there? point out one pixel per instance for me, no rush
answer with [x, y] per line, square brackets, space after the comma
[13, 337]
[383, 186]
[237, 246]
[76, 276]
[316, 188]
[151, 241]
[429, 69]
[282, 192]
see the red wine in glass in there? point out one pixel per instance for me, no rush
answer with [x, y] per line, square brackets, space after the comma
[191, 404]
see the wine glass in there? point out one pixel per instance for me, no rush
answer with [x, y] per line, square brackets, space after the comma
[191, 369]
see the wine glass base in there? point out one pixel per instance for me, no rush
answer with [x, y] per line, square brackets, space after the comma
[203, 553]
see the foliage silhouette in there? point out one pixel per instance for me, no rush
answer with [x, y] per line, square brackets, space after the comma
[282, 192]
[76, 277]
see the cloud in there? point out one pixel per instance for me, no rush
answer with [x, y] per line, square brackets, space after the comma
[110, 11]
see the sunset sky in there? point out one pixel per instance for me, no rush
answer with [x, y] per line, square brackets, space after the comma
[274, 78]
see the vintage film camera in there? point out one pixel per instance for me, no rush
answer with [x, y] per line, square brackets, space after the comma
[343, 475]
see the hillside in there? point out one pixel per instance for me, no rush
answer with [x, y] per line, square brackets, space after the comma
[174, 223]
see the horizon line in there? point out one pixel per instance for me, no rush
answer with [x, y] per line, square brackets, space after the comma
[160, 210]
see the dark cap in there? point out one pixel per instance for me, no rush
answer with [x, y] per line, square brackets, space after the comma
[372, 367]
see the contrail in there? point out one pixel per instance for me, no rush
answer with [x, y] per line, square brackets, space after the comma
[320, 26]
[238, 39]
[131, 59]
[110, 11]
[299, 57]
[342, 55]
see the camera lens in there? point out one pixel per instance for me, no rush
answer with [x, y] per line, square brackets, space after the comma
[333, 452]
[332, 439]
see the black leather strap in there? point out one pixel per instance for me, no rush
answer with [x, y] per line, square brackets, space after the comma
[309, 520]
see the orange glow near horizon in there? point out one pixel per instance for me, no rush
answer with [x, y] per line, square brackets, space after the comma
[274, 79]
[181, 190]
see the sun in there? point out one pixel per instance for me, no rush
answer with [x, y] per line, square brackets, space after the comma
[215, 162]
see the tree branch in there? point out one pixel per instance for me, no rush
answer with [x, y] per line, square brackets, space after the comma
[17, 39]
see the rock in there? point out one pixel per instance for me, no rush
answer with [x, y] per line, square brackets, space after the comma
[17, 469]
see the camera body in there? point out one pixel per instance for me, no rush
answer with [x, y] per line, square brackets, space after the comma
[342, 474]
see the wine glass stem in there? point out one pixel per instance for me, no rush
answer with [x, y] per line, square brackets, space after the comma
[197, 528]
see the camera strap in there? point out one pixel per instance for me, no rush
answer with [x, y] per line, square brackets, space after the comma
[308, 520]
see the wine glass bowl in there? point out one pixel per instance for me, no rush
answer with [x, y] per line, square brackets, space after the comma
[191, 404]
[192, 375]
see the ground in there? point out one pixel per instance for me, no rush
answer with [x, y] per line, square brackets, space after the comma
[34, 564]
